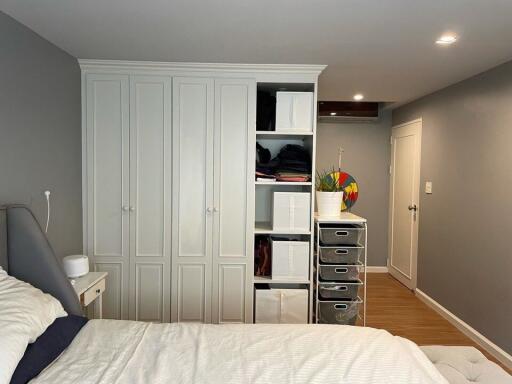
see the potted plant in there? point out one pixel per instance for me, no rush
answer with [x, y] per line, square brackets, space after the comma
[329, 193]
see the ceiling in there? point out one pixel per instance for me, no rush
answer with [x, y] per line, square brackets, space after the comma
[382, 48]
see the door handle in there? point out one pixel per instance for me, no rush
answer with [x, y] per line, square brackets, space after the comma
[125, 208]
[413, 207]
[132, 208]
[208, 210]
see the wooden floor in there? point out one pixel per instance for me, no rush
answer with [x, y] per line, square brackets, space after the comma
[393, 307]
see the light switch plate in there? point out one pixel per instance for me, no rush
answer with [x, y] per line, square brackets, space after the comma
[428, 187]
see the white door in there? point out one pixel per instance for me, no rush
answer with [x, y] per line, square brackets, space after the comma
[192, 199]
[150, 198]
[404, 202]
[235, 122]
[107, 147]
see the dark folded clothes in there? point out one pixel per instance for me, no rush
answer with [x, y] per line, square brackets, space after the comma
[294, 152]
[293, 163]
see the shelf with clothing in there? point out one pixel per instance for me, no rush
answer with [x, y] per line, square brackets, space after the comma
[285, 164]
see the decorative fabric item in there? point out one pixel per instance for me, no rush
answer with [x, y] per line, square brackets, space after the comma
[41, 353]
[350, 189]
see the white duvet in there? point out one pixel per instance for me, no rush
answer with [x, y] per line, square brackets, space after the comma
[112, 351]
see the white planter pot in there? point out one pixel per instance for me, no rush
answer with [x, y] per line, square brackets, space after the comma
[329, 203]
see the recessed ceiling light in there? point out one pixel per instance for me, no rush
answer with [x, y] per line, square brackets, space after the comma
[333, 113]
[446, 40]
[358, 97]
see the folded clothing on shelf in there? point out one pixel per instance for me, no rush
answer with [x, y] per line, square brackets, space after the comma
[292, 177]
[292, 164]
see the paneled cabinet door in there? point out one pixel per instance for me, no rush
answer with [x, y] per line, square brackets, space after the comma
[107, 210]
[150, 198]
[235, 122]
[192, 199]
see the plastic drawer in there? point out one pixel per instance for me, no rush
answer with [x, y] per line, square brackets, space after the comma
[341, 234]
[340, 255]
[339, 272]
[345, 291]
[338, 312]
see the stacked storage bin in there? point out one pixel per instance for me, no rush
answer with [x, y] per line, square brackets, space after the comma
[340, 261]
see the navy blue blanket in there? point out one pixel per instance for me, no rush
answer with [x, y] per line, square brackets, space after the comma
[47, 347]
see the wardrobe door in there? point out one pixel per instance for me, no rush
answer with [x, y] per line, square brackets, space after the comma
[150, 198]
[192, 199]
[235, 124]
[107, 178]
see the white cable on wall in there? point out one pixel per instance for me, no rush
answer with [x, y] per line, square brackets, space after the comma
[47, 194]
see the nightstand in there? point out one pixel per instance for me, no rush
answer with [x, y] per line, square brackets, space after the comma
[89, 288]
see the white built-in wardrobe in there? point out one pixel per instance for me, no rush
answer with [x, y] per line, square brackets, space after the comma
[168, 185]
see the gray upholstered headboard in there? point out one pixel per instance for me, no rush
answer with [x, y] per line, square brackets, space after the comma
[26, 254]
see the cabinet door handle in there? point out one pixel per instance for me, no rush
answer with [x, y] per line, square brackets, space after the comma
[98, 291]
[209, 210]
[132, 209]
[215, 209]
[125, 208]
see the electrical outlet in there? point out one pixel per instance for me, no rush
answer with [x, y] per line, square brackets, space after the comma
[428, 187]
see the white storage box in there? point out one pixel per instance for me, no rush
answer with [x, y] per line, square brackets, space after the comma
[294, 111]
[281, 306]
[291, 211]
[290, 260]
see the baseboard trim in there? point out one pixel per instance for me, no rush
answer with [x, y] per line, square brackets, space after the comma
[466, 329]
[376, 269]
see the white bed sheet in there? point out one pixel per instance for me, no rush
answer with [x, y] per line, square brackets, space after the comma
[113, 351]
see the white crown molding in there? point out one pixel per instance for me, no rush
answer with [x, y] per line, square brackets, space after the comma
[466, 329]
[310, 69]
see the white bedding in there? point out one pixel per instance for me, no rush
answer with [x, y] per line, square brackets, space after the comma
[112, 351]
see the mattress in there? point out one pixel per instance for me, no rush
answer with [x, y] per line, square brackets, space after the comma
[113, 351]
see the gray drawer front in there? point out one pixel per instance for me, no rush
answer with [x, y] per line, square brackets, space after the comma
[347, 291]
[333, 312]
[340, 255]
[339, 272]
[341, 235]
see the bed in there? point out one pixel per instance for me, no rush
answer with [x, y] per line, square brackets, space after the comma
[115, 351]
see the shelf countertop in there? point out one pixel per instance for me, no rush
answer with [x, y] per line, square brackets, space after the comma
[343, 218]
[269, 280]
[266, 228]
[301, 183]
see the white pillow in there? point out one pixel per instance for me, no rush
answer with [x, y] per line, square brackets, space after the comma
[25, 313]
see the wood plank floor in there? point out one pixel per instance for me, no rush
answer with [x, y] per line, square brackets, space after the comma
[393, 307]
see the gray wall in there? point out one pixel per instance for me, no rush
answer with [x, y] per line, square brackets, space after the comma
[40, 131]
[366, 158]
[465, 253]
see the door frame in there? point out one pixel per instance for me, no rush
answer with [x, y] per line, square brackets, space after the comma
[411, 280]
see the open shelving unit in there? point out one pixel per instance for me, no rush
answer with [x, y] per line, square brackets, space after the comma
[274, 141]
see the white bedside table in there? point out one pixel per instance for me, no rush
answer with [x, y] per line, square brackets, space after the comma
[89, 288]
